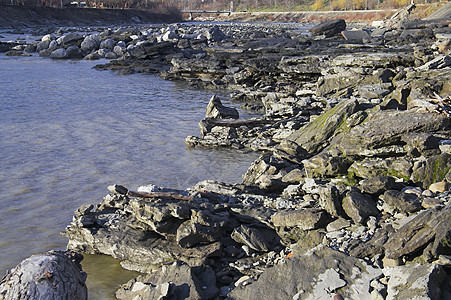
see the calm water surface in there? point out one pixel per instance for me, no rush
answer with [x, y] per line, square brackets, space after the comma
[68, 131]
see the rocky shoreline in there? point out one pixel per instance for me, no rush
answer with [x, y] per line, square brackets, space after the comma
[351, 197]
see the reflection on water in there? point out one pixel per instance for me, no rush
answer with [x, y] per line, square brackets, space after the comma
[68, 131]
[105, 275]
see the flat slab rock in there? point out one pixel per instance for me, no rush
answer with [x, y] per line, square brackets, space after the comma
[315, 275]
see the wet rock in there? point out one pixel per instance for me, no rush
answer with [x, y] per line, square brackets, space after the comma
[51, 275]
[359, 206]
[329, 28]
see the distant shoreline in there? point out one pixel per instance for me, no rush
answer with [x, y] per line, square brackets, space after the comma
[16, 17]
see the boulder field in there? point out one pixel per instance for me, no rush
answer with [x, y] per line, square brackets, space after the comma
[351, 196]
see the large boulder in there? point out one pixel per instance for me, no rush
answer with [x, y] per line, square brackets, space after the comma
[329, 28]
[315, 136]
[91, 42]
[59, 54]
[387, 128]
[305, 219]
[51, 275]
[359, 206]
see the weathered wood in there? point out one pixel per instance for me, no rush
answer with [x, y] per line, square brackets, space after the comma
[121, 190]
[237, 123]
[159, 195]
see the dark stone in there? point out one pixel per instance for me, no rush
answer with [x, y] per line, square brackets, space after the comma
[402, 202]
[329, 28]
[359, 206]
[429, 230]
[378, 185]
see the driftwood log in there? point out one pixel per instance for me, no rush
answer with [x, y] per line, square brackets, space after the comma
[207, 124]
[121, 190]
[51, 275]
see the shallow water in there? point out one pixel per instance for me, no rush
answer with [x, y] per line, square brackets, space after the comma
[67, 131]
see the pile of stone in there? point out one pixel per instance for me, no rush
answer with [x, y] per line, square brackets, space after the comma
[352, 196]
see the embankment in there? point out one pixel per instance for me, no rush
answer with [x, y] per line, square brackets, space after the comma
[20, 16]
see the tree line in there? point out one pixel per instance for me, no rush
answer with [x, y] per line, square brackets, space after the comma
[225, 5]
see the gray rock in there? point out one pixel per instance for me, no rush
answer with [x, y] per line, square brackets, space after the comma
[214, 34]
[359, 206]
[415, 282]
[42, 45]
[402, 202]
[305, 219]
[59, 54]
[445, 146]
[338, 224]
[378, 185]
[306, 276]
[375, 167]
[356, 36]
[329, 28]
[91, 42]
[173, 281]
[330, 200]
[70, 38]
[387, 128]
[215, 109]
[315, 136]
[74, 52]
[51, 275]
[108, 44]
[251, 237]
[429, 230]
[434, 169]
[111, 55]
[326, 165]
